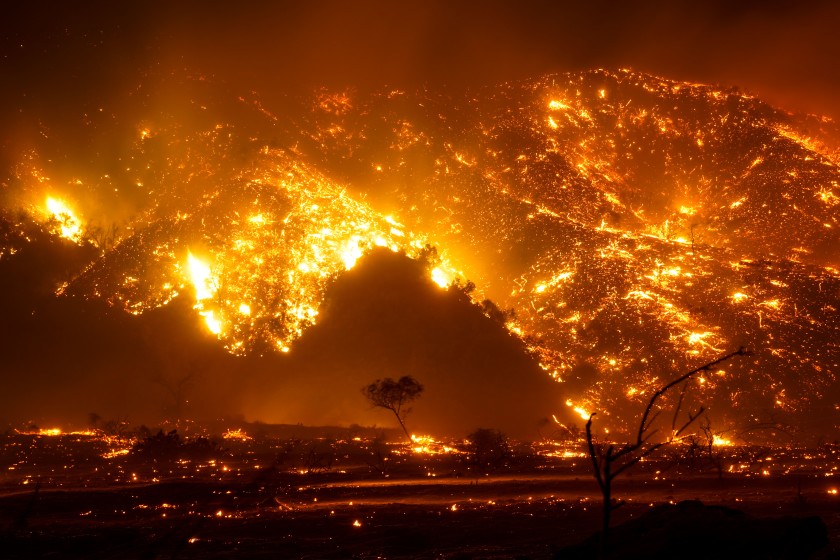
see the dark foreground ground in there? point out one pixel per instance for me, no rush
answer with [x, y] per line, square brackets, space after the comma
[249, 504]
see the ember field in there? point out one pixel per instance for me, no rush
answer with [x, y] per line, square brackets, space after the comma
[85, 495]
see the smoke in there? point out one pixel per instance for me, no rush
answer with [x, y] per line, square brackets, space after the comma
[69, 54]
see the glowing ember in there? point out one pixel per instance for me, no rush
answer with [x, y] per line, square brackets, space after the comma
[237, 434]
[115, 453]
[430, 446]
[50, 432]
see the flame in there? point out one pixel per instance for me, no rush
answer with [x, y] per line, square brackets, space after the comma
[205, 286]
[721, 441]
[440, 278]
[116, 453]
[50, 432]
[580, 411]
[200, 277]
[429, 445]
[69, 225]
[237, 434]
[213, 323]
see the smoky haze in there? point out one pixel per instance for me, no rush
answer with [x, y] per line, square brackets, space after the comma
[58, 56]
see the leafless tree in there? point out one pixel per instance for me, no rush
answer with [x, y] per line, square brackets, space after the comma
[177, 386]
[711, 448]
[609, 461]
[394, 396]
[488, 450]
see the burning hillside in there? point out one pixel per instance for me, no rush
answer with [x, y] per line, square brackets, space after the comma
[635, 226]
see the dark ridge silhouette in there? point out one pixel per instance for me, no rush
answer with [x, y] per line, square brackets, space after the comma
[385, 318]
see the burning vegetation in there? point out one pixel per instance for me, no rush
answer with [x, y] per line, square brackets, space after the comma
[624, 226]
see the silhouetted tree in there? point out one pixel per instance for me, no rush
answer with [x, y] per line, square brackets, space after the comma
[169, 446]
[104, 238]
[493, 312]
[178, 388]
[608, 461]
[712, 449]
[118, 427]
[380, 455]
[488, 450]
[394, 396]
[309, 457]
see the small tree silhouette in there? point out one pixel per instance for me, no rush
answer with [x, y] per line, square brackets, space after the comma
[394, 396]
[488, 450]
[608, 461]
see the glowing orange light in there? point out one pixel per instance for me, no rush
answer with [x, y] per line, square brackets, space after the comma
[68, 226]
[50, 432]
[237, 434]
[440, 278]
[720, 441]
[579, 410]
[200, 276]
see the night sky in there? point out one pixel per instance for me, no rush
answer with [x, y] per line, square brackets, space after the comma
[77, 75]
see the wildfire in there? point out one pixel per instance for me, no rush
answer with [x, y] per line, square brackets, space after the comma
[553, 207]
[720, 441]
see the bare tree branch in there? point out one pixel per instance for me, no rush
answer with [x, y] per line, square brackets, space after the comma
[609, 464]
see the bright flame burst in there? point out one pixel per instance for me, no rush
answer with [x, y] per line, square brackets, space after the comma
[429, 446]
[50, 432]
[237, 434]
[205, 288]
[67, 224]
[720, 441]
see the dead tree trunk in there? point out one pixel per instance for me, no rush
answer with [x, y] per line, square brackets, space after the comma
[609, 462]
